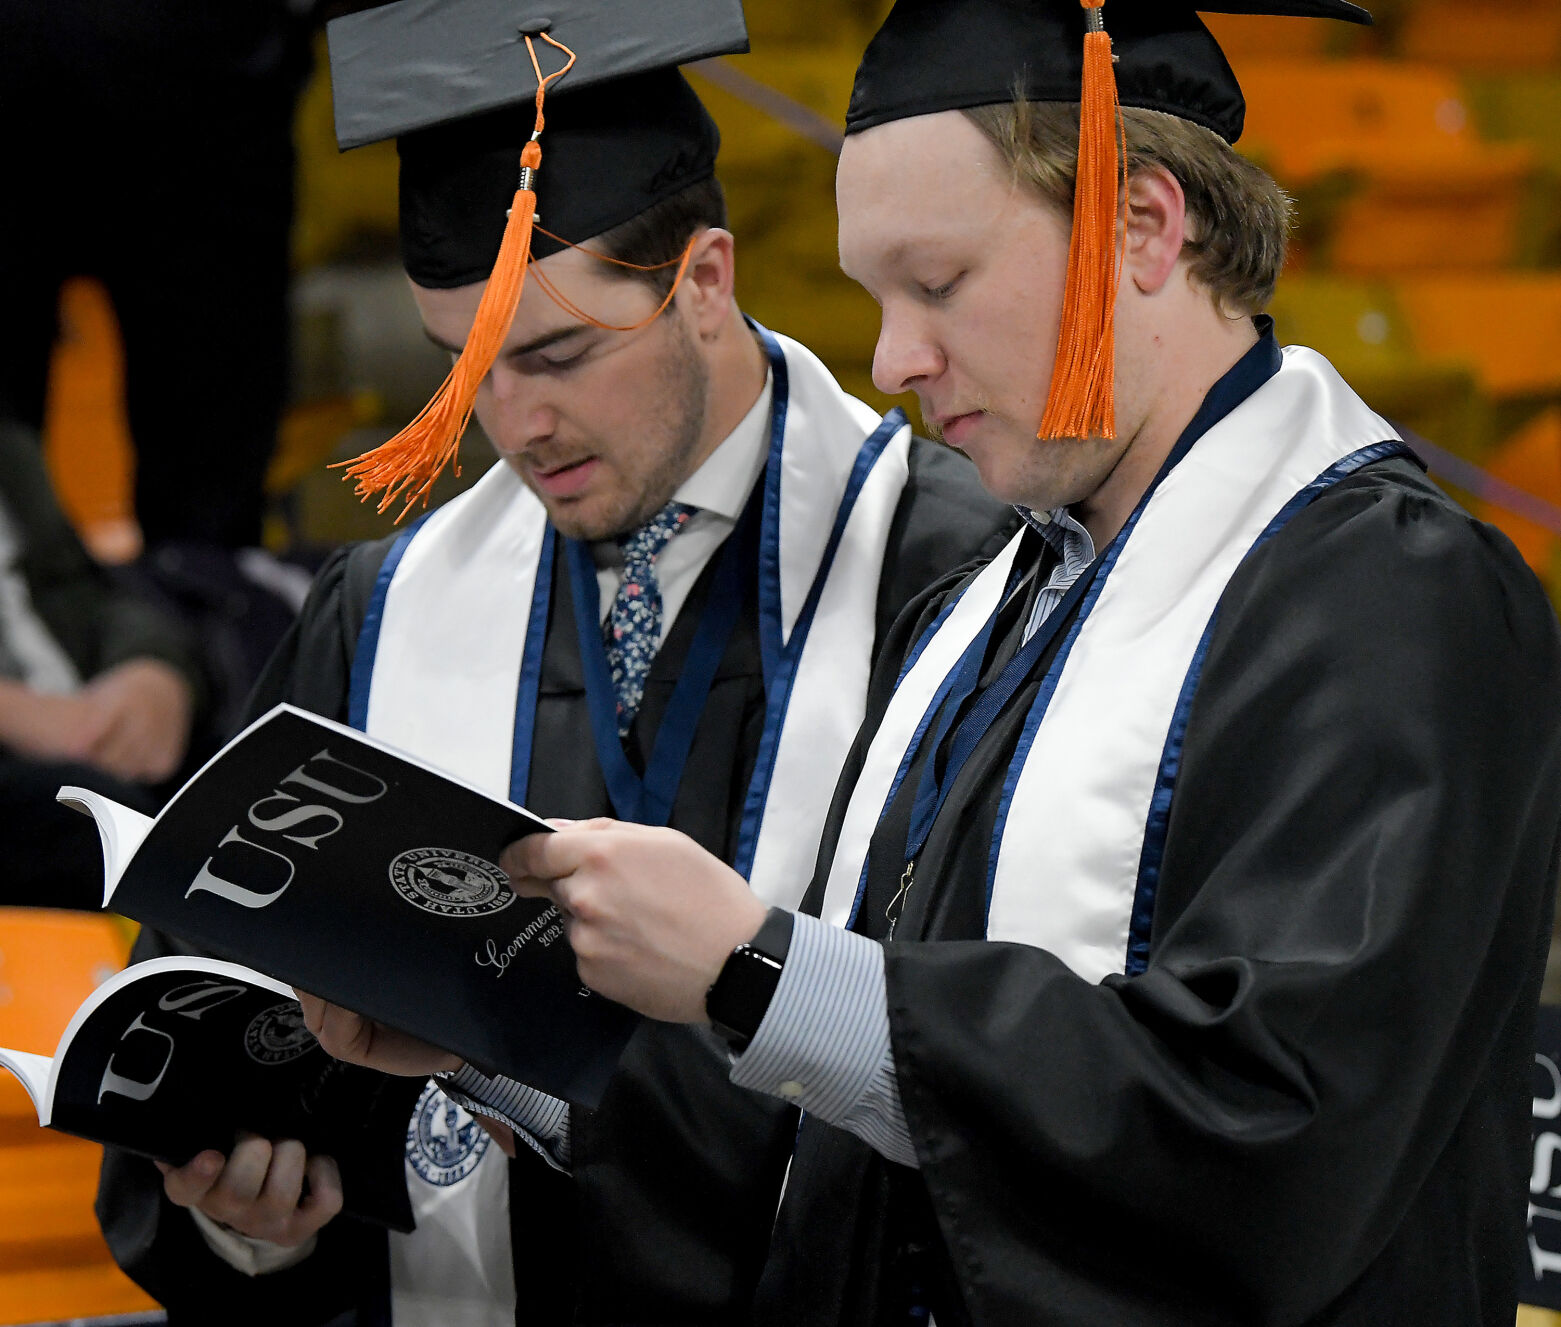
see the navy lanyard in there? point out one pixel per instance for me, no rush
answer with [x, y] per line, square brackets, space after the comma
[932, 792]
[648, 800]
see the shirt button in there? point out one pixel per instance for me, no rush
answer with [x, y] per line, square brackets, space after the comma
[1044, 517]
[791, 1089]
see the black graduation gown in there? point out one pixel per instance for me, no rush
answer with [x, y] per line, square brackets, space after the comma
[675, 1177]
[1312, 1108]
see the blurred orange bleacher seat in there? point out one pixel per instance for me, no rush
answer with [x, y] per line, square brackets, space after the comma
[1506, 325]
[1492, 35]
[1426, 193]
[53, 1262]
[1530, 460]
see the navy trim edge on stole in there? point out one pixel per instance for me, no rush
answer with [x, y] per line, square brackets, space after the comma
[1252, 371]
[1142, 916]
[528, 687]
[770, 630]
[361, 676]
[778, 691]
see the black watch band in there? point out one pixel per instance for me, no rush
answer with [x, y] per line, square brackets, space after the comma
[738, 1000]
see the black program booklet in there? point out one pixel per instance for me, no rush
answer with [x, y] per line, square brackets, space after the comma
[347, 869]
[177, 1055]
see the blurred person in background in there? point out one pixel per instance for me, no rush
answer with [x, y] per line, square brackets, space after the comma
[98, 687]
[149, 146]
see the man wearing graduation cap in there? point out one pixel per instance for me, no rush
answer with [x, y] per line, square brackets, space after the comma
[1174, 947]
[664, 607]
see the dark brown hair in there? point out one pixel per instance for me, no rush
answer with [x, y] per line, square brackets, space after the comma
[660, 233]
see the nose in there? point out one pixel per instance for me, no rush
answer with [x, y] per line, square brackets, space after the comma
[905, 357]
[514, 413]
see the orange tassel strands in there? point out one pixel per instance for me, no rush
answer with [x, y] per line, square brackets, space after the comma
[1082, 400]
[407, 466]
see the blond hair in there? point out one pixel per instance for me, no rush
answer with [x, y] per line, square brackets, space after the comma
[1238, 217]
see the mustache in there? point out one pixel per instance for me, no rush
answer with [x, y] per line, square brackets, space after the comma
[975, 406]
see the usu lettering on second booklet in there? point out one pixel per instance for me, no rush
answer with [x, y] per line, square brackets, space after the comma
[315, 854]
[1541, 1281]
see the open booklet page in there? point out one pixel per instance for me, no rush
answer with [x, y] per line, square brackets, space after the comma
[33, 1071]
[345, 868]
[177, 1055]
[120, 830]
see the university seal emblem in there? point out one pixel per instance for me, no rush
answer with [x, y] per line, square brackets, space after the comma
[444, 1143]
[277, 1035]
[449, 883]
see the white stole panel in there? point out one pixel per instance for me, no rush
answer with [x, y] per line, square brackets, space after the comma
[1072, 841]
[454, 629]
[825, 429]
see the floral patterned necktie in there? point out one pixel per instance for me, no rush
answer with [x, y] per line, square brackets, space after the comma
[633, 627]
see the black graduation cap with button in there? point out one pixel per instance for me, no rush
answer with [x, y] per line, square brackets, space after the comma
[943, 55]
[472, 91]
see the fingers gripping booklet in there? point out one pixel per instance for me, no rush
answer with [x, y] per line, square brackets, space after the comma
[177, 1055]
[345, 868]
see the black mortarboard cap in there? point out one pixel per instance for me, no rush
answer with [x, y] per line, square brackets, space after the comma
[612, 152]
[943, 55]
[452, 81]
[413, 64]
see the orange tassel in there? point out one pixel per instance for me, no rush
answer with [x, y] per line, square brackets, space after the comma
[407, 466]
[1082, 401]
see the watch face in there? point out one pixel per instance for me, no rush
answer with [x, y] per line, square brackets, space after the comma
[737, 1002]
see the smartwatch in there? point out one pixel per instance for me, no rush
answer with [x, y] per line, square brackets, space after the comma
[738, 1000]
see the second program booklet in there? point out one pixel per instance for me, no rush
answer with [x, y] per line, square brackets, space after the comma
[350, 870]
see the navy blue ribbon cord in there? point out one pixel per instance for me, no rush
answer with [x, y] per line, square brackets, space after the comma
[648, 799]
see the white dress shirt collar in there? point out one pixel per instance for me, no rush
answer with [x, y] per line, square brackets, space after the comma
[722, 484]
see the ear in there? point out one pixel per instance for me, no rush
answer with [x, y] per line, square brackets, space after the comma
[709, 284]
[1155, 229]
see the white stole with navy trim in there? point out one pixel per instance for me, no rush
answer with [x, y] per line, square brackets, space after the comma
[1068, 863]
[451, 639]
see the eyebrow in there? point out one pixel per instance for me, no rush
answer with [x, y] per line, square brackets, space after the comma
[530, 347]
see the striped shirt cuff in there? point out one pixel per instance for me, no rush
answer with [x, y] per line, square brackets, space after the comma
[539, 1121]
[824, 1042]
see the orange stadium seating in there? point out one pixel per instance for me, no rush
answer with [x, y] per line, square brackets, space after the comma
[1483, 34]
[1419, 189]
[53, 1262]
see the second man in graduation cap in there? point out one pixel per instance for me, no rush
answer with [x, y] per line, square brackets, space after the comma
[663, 606]
[1180, 917]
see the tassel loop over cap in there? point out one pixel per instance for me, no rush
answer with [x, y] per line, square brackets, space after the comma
[406, 467]
[1081, 403]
